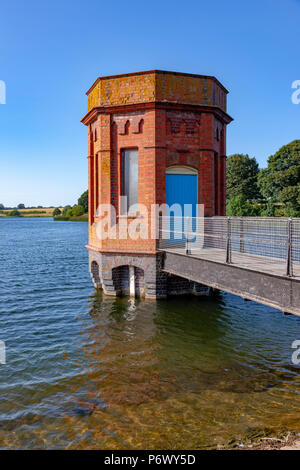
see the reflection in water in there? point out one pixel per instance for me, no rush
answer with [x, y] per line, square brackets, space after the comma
[171, 376]
[88, 371]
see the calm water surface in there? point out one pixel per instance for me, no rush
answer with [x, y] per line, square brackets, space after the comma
[88, 371]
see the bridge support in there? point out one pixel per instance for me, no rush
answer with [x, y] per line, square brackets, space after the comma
[138, 275]
[281, 292]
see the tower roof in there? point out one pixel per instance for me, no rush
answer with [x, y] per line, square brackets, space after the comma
[157, 86]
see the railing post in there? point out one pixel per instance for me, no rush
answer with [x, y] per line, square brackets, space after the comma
[228, 242]
[187, 243]
[289, 257]
[241, 235]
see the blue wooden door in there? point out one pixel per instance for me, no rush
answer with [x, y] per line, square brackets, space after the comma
[181, 190]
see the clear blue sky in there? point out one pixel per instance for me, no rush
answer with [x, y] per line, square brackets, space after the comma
[52, 51]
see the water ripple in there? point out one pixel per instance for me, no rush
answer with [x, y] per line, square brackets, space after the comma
[85, 371]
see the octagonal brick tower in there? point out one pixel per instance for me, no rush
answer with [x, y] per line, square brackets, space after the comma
[145, 126]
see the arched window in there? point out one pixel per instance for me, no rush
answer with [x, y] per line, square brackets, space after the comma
[141, 126]
[127, 126]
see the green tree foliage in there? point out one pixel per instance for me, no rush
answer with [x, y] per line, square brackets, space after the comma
[77, 210]
[83, 201]
[2, 207]
[241, 176]
[56, 211]
[69, 213]
[65, 210]
[21, 206]
[269, 210]
[280, 181]
[239, 206]
[14, 213]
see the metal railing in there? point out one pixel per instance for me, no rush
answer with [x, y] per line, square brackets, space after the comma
[269, 239]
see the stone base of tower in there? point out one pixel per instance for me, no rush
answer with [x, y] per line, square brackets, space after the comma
[112, 272]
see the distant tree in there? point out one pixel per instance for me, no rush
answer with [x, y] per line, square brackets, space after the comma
[77, 210]
[83, 201]
[269, 209]
[239, 206]
[56, 211]
[2, 207]
[291, 211]
[69, 213]
[241, 176]
[14, 213]
[65, 210]
[21, 206]
[280, 181]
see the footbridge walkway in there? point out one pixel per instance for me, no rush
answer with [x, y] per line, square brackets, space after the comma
[255, 258]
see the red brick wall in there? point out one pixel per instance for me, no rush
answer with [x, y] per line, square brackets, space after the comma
[116, 132]
[163, 137]
[172, 119]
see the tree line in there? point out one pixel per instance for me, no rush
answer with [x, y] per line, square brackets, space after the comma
[273, 191]
[77, 210]
[20, 206]
[74, 211]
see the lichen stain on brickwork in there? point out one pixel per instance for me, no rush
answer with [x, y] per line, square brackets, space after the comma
[123, 90]
[106, 166]
[157, 87]
[186, 90]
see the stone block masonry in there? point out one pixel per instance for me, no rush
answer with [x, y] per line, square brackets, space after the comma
[110, 272]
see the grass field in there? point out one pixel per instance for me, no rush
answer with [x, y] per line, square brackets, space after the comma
[44, 212]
